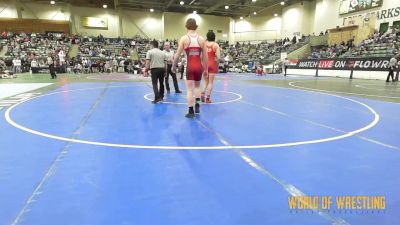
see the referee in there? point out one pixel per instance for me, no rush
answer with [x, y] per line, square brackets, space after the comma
[156, 62]
[285, 65]
[392, 68]
[170, 56]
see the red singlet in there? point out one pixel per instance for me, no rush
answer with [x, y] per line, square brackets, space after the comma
[212, 64]
[194, 69]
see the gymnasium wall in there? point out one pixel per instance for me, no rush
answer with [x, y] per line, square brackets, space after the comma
[326, 15]
[33, 25]
[8, 10]
[124, 23]
[77, 13]
[34, 18]
[297, 18]
[263, 27]
[45, 12]
[142, 23]
[174, 25]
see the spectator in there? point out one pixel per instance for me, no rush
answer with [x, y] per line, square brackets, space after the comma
[61, 56]
[16, 65]
[34, 65]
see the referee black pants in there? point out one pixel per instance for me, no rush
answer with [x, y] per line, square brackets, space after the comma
[173, 75]
[157, 76]
[391, 74]
[182, 69]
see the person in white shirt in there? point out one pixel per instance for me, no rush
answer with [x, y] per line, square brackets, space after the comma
[107, 67]
[16, 65]
[34, 65]
[42, 63]
[49, 60]
[115, 65]
[121, 66]
[61, 56]
[169, 53]
[77, 68]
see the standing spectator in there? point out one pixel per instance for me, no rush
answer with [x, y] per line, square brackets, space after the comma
[16, 65]
[34, 65]
[156, 62]
[61, 56]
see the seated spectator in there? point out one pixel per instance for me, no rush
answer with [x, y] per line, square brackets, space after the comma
[78, 68]
[107, 67]
[259, 71]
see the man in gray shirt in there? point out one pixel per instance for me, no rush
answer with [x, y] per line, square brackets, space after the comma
[156, 62]
[392, 67]
[170, 56]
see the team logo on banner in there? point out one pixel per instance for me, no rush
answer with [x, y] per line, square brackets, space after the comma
[374, 64]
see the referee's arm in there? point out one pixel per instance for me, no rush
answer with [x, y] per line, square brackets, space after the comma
[148, 58]
[165, 65]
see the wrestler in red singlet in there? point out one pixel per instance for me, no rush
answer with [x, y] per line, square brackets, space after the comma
[194, 68]
[214, 54]
[212, 64]
[196, 58]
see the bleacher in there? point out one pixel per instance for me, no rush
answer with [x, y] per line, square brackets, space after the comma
[379, 50]
[261, 53]
[40, 46]
[377, 45]
[102, 50]
[144, 45]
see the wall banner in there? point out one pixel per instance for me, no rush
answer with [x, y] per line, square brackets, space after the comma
[368, 64]
[95, 22]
